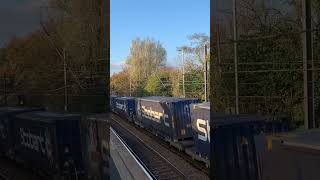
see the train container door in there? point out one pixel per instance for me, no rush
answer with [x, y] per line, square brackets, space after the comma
[70, 146]
[182, 115]
[131, 109]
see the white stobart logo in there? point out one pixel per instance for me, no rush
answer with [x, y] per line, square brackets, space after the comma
[39, 143]
[121, 106]
[205, 130]
[154, 115]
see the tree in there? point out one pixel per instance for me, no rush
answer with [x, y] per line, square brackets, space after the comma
[74, 31]
[120, 84]
[159, 83]
[146, 56]
[269, 60]
[194, 65]
[198, 42]
[80, 31]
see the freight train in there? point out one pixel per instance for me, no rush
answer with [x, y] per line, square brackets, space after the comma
[59, 145]
[65, 144]
[185, 123]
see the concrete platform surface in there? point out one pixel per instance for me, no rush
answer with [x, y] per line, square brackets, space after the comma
[124, 162]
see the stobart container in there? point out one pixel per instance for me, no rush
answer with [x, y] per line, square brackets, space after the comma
[232, 145]
[6, 114]
[169, 117]
[125, 107]
[49, 142]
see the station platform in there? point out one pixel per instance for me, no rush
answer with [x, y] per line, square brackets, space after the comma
[123, 163]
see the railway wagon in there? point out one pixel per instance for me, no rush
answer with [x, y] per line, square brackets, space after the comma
[168, 117]
[6, 114]
[49, 142]
[125, 107]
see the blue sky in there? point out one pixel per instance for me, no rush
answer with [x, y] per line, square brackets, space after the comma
[168, 21]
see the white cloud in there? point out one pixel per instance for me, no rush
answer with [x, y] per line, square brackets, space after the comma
[116, 66]
[117, 63]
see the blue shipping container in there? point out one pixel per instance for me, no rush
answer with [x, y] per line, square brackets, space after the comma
[49, 141]
[6, 114]
[125, 107]
[169, 117]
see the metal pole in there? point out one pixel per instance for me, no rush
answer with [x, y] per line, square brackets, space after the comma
[218, 45]
[5, 89]
[183, 87]
[309, 112]
[205, 74]
[235, 37]
[65, 81]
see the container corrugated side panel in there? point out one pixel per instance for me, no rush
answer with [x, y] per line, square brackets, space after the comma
[125, 107]
[44, 155]
[131, 108]
[152, 122]
[58, 131]
[201, 136]
[6, 114]
[120, 107]
[177, 125]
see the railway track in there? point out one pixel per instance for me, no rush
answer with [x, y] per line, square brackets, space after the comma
[160, 161]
